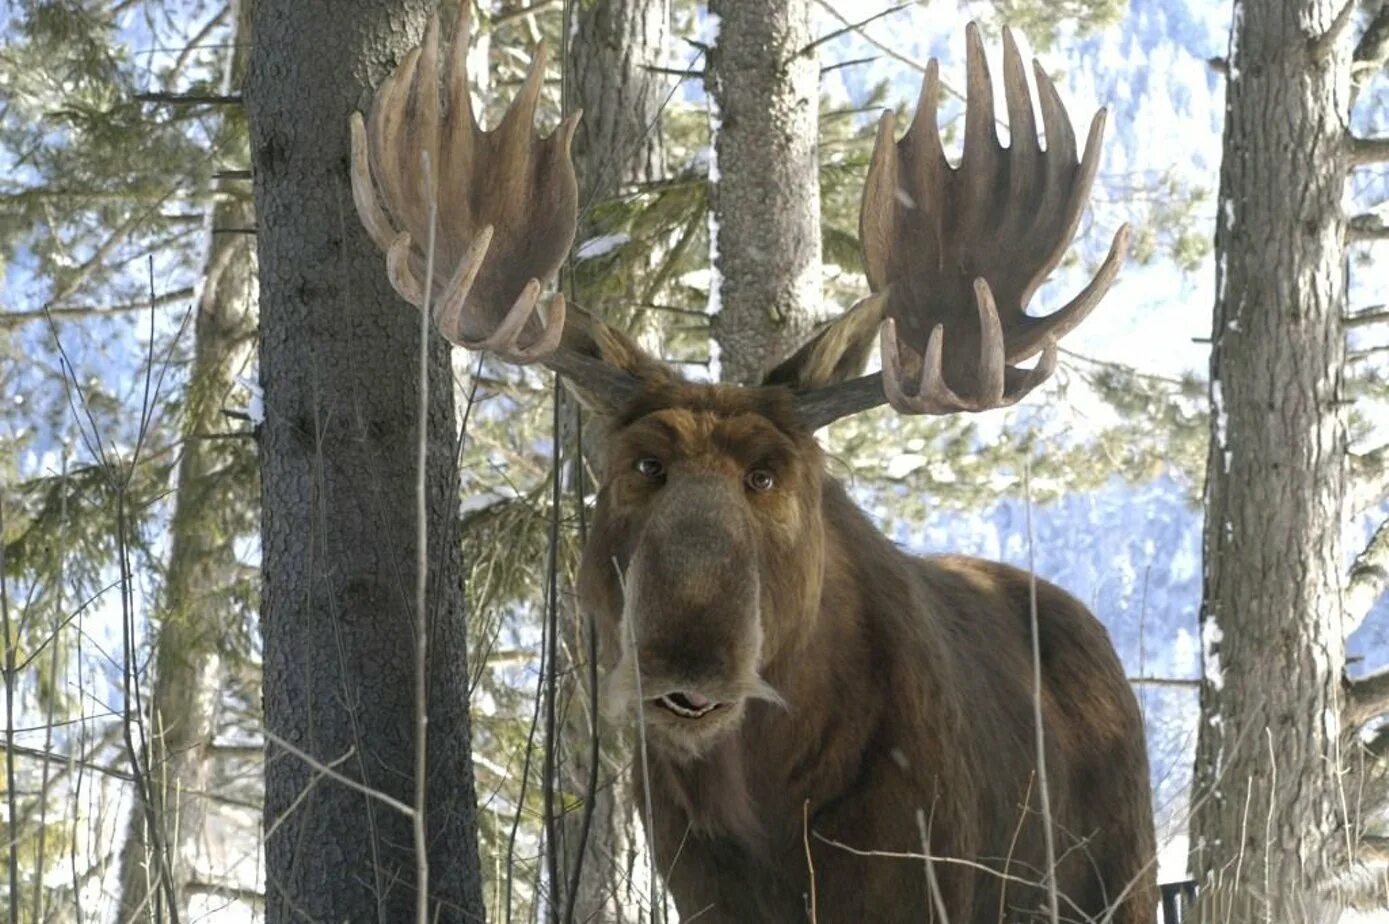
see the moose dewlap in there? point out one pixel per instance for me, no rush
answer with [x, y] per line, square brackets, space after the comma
[812, 698]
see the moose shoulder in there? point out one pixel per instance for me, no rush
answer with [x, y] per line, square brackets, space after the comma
[828, 720]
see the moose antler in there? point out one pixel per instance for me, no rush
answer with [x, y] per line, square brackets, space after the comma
[508, 199]
[955, 254]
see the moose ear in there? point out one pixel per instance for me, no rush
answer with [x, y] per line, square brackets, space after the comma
[837, 353]
[589, 338]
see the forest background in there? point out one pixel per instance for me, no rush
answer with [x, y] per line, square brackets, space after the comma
[131, 512]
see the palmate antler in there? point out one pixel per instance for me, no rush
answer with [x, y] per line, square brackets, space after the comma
[509, 199]
[955, 254]
[505, 207]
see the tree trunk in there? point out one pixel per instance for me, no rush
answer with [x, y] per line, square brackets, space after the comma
[1267, 830]
[613, 46]
[196, 614]
[764, 184]
[339, 367]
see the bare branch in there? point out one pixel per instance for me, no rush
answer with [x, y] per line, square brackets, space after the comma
[1367, 227]
[225, 890]
[190, 99]
[12, 319]
[1369, 473]
[1368, 697]
[327, 770]
[1374, 314]
[1178, 682]
[1371, 52]
[1367, 150]
[853, 27]
[508, 15]
[1324, 44]
[1373, 849]
[891, 52]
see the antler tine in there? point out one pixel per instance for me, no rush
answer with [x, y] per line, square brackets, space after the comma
[1022, 121]
[1028, 340]
[980, 160]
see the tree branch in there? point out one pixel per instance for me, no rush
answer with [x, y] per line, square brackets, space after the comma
[12, 319]
[852, 27]
[1324, 44]
[1367, 150]
[1374, 849]
[1368, 576]
[1367, 228]
[1180, 682]
[1369, 473]
[1367, 697]
[224, 890]
[1371, 52]
[190, 99]
[1375, 314]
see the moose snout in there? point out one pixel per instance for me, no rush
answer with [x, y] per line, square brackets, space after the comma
[693, 596]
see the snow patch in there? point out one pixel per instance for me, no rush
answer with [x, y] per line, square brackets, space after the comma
[1222, 422]
[1211, 636]
[255, 407]
[598, 246]
[902, 465]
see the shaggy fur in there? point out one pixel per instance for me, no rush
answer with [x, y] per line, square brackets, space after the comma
[874, 692]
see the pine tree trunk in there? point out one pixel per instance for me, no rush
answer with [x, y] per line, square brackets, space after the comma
[764, 183]
[196, 615]
[1267, 830]
[339, 367]
[612, 47]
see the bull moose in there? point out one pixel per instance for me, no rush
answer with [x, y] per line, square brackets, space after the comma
[836, 729]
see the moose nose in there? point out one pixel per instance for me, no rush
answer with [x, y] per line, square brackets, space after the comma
[692, 590]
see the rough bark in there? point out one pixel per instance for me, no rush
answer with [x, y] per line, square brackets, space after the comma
[339, 367]
[613, 46]
[196, 614]
[764, 183]
[1267, 830]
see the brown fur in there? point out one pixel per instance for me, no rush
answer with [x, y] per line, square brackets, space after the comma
[865, 687]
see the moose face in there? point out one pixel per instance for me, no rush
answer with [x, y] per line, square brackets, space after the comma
[705, 560]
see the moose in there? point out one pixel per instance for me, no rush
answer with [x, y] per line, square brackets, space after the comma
[836, 729]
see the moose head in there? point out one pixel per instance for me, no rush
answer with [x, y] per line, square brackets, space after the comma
[741, 598]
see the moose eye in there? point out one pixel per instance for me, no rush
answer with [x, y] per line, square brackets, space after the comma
[650, 468]
[759, 480]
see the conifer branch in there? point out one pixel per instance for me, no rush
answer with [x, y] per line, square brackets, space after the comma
[1368, 576]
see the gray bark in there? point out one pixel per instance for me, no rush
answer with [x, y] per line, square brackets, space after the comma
[339, 367]
[613, 46]
[1267, 830]
[764, 183]
[196, 614]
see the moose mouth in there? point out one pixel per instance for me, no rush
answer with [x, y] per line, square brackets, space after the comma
[687, 705]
